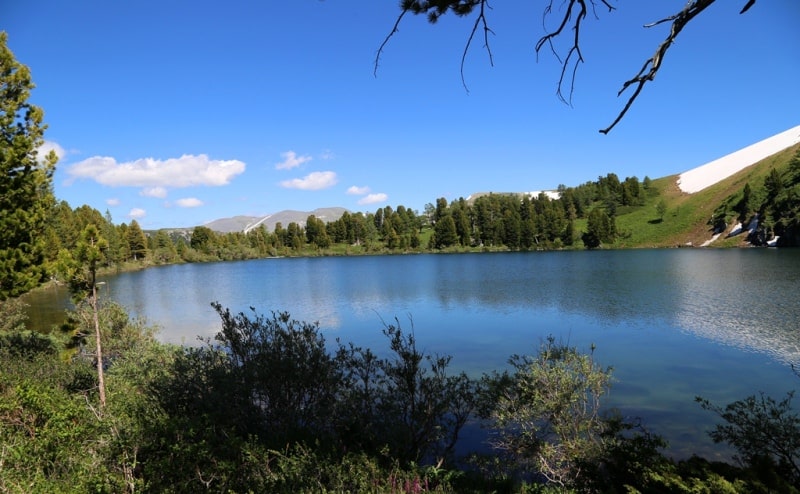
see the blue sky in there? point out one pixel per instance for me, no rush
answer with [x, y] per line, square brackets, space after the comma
[178, 113]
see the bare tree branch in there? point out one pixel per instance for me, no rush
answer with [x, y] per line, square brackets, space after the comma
[644, 75]
[574, 13]
[574, 50]
[395, 28]
[481, 19]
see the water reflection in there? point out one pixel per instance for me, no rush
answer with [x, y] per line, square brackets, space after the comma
[742, 298]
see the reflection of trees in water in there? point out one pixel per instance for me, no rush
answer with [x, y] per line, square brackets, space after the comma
[738, 298]
[734, 298]
[601, 285]
[46, 307]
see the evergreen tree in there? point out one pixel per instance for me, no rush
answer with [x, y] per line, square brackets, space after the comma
[294, 236]
[124, 248]
[26, 198]
[745, 205]
[203, 239]
[773, 183]
[111, 234]
[460, 212]
[137, 241]
[512, 228]
[600, 228]
[316, 233]
[280, 235]
[163, 248]
[569, 233]
[445, 232]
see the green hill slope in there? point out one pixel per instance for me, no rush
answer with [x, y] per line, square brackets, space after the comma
[687, 219]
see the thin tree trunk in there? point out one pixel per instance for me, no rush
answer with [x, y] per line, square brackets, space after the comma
[100, 377]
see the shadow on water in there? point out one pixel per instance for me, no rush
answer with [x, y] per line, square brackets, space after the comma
[47, 307]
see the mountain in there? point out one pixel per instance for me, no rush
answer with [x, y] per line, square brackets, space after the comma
[235, 224]
[246, 223]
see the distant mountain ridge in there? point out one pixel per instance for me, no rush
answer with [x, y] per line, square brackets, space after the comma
[246, 223]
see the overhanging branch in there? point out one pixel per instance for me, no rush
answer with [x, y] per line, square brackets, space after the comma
[653, 64]
[578, 9]
[574, 13]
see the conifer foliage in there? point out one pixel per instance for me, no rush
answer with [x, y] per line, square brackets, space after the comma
[25, 180]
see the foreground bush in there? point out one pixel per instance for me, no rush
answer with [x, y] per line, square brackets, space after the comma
[268, 406]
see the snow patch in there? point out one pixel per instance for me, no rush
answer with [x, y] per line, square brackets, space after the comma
[709, 241]
[706, 175]
[551, 194]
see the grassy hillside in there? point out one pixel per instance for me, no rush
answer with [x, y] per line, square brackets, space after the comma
[687, 217]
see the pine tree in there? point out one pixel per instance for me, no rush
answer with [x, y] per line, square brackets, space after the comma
[26, 195]
[445, 231]
[137, 242]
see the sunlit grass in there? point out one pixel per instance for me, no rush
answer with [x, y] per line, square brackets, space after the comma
[687, 217]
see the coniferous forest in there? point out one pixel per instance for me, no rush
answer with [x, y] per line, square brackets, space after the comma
[267, 405]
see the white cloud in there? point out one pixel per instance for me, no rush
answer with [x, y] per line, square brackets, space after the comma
[137, 213]
[48, 146]
[189, 202]
[112, 201]
[159, 192]
[291, 160]
[186, 171]
[312, 181]
[357, 191]
[373, 198]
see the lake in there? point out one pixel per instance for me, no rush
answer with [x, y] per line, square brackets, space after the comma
[673, 323]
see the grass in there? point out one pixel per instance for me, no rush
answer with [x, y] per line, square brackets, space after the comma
[687, 218]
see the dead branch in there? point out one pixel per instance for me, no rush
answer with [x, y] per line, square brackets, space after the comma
[574, 13]
[481, 19]
[653, 64]
[395, 28]
[574, 50]
[464, 8]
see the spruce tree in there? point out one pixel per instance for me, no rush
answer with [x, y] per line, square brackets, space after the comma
[26, 196]
[137, 241]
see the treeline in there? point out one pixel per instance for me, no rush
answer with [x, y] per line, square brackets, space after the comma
[522, 222]
[493, 221]
[269, 406]
[385, 230]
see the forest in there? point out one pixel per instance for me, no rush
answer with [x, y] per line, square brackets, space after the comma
[489, 222]
[267, 405]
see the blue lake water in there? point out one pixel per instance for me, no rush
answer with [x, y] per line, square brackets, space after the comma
[673, 324]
